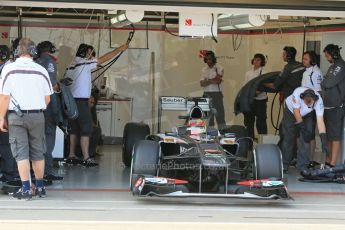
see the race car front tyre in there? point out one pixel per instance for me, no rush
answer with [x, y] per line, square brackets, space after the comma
[132, 133]
[145, 159]
[267, 162]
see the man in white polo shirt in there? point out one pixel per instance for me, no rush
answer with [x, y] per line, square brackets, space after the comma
[25, 91]
[80, 72]
[297, 120]
[212, 77]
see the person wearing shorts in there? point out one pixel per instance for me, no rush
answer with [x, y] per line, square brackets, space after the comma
[25, 90]
[80, 72]
[333, 93]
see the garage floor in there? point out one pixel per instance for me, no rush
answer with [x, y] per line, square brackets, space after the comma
[99, 197]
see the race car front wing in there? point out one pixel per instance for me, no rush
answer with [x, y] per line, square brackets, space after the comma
[251, 189]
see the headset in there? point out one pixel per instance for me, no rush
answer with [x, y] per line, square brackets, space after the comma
[290, 52]
[83, 49]
[262, 58]
[4, 53]
[309, 93]
[46, 46]
[312, 56]
[32, 50]
[213, 56]
[333, 50]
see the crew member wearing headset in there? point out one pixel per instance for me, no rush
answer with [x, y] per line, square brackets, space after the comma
[211, 80]
[288, 80]
[297, 120]
[333, 91]
[25, 91]
[8, 166]
[291, 76]
[4, 56]
[312, 78]
[259, 106]
[80, 72]
[46, 50]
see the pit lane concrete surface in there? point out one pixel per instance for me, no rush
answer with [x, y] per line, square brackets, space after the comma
[110, 210]
[99, 198]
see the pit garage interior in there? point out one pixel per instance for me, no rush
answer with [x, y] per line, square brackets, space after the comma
[160, 62]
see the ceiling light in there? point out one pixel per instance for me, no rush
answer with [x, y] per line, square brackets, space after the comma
[127, 17]
[240, 21]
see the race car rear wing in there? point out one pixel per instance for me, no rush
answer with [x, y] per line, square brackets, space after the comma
[175, 103]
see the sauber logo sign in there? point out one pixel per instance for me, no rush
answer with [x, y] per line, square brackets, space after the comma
[174, 100]
[197, 24]
[188, 22]
[4, 35]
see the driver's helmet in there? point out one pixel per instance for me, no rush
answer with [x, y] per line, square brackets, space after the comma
[196, 123]
[196, 117]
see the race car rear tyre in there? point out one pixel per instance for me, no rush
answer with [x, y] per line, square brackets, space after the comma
[132, 133]
[267, 162]
[145, 159]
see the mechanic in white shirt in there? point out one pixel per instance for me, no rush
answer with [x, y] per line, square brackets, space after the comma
[25, 90]
[212, 77]
[297, 120]
[259, 106]
[80, 72]
[312, 78]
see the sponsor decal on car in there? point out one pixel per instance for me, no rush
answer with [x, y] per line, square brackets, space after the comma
[157, 180]
[271, 183]
[173, 100]
[139, 184]
[225, 141]
[164, 180]
[169, 140]
[261, 183]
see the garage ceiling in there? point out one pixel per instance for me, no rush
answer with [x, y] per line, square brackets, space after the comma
[322, 8]
[335, 5]
[291, 13]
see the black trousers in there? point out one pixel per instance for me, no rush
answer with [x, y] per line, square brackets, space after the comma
[258, 113]
[218, 106]
[8, 164]
[290, 134]
[50, 132]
